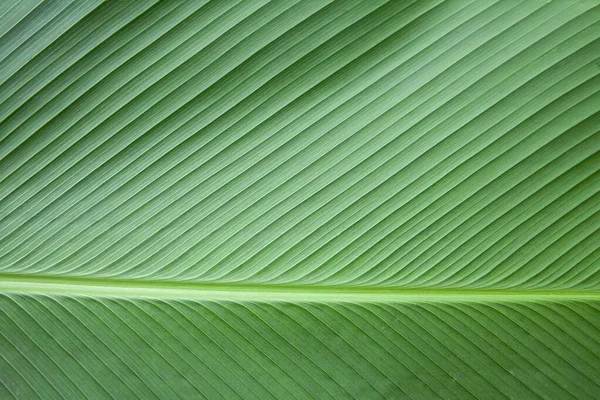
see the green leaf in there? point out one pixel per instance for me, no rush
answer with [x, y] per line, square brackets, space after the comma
[300, 199]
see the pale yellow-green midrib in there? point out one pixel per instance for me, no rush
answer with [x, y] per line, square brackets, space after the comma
[107, 287]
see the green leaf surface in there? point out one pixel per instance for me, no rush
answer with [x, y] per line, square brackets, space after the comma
[300, 199]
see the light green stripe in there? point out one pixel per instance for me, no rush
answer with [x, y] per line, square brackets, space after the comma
[122, 288]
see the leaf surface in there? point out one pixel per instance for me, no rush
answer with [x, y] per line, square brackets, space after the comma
[300, 199]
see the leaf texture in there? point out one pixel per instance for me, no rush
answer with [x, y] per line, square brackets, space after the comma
[300, 199]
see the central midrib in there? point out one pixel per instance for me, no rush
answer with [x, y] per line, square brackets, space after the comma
[128, 288]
